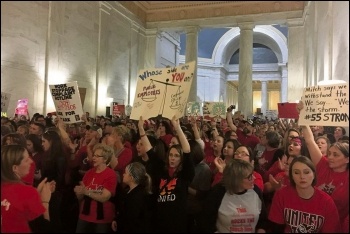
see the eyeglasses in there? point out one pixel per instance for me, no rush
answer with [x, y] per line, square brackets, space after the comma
[97, 156]
[242, 154]
[250, 177]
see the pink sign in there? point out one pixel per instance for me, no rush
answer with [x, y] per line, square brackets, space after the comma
[22, 107]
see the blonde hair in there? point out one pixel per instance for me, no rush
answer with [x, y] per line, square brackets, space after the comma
[107, 151]
[122, 131]
[11, 155]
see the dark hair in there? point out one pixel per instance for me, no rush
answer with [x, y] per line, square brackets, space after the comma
[305, 160]
[250, 151]
[330, 137]
[16, 138]
[273, 139]
[168, 129]
[235, 143]
[180, 151]
[197, 152]
[37, 146]
[41, 126]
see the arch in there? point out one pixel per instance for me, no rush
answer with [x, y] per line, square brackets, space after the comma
[263, 34]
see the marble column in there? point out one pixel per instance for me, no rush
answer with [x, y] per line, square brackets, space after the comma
[245, 86]
[295, 67]
[192, 55]
[152, 49]
[284, 85]
[263, 97]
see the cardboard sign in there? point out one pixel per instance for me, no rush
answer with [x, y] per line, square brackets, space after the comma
[287, 110]
[5, 99]
[326, 105]
[22, 107]
[162, 91]
[194, 109]
[67, 101]
[214, 110]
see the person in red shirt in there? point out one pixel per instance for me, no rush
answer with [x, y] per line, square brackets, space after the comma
[94, 192]
[302, 207]
[24, 208]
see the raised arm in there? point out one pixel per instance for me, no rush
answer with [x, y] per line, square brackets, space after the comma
[197, 136]
[315, 152]
[183, 141]
[229, 119]
[143, 137]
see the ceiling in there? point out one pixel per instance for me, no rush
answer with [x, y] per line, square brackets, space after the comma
[159, 14]
[180, 14]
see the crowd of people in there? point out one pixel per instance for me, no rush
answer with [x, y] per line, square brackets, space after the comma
[111, 174]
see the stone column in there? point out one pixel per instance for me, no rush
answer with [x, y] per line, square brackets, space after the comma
[263, 97]
[245, 86]
[296, 56]
[192, 55]
[284, 85]
[152, 49]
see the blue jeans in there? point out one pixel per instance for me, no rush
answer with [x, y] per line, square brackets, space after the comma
[88, 227]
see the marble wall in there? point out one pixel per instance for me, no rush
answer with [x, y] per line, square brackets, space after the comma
[94, 43]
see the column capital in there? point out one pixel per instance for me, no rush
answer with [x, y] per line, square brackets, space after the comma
[192, 29]
[246, 26]
[295, 22]
[153, 32]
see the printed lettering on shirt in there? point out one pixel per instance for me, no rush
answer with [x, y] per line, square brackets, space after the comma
[166, 190]
[242, 223]
[301, 222]
[6, 204]
[95, 188]
[328, 188]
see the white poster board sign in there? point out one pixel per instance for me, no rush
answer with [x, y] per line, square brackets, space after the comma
[162, 91]
[326, 105]
[67, 101]
[5, 99]
[214, 109]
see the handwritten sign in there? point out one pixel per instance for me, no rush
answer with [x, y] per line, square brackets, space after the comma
[288, 110]
[5, 99]
[271, 114]
[22, 107]
[162, 91]
[67, 101]
[214, 109]
[326, 105]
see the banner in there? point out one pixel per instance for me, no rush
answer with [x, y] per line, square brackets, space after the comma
[288, 110]
[214, 110]
[22, 107]
[5, 99]
[162, 91]
[194, 109]
[67, 101]
[118, 110]
[326, 105]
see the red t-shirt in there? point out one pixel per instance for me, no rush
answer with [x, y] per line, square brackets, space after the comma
[247, 140]
[304, 215]
[336, 184]
[124, 159]
[166, 138]
[97, 182]
[19, 204]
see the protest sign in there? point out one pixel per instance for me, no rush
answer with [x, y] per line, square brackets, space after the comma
[194, 109]
[22, 107]
[5, 99]
[288, 110]
[67, 101]
[162, 91]
[118, 110]
[326, 105]
[216, 110]
[271, 114]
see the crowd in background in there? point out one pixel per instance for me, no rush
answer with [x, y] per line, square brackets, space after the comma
[111, 174]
